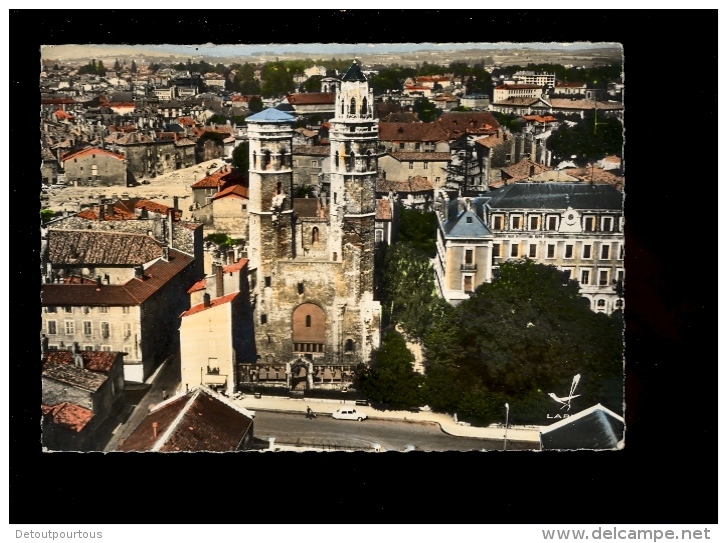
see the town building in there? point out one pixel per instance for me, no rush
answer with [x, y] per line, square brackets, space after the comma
[93, 167]
[80, 391]
[311, 260]
[216, 331]
[200, 420]
[529, 77]
[114, 281]
[577, 227]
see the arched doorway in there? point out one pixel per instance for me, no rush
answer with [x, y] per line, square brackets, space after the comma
[299, 375]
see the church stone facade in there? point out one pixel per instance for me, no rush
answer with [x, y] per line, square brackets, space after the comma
[312, 259]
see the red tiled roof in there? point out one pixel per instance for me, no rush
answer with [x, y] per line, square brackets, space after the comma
[522, 170]
[90, 150]
[186, 121]
[237, 266]
[415, 156]
[68, 415]
[491, 141]
[312, 98]
[78, 280]
[93, 248]
[101, 361]
[199, 285]
[213, 303]
[429, 132]
[416, 88]
[133, 292]
[538, 118]
[598, 175]
[235, 191]
[383, 210]
[221, 178]
[198, 421]
[60, 114]
[470, 122]
[73, 375]
[414, 184]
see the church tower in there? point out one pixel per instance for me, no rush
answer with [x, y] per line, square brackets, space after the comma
[312, 259]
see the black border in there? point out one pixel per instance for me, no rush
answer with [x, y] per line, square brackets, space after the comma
[667, 472]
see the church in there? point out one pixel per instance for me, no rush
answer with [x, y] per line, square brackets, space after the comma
[311, 260]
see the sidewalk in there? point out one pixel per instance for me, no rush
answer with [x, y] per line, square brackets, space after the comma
[445, 422]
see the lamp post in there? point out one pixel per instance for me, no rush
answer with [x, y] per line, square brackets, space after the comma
[507, 418]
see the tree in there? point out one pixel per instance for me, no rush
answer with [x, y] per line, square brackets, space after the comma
[117, 66]
[256, 104]
[241, 157]
[391, 379]
[426, 110]
[312, 84]
[587, 140]
[133, 66]
[418, 229]
[519, 336]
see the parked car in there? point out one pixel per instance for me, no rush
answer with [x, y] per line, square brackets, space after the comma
[348, 413]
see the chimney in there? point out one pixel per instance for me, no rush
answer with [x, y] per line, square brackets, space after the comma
[165, 253]
[206, 299]
[154, 428]
[176, 202]
[139, 271]
[98, 282]
[101, 212]
[170, 227]
[144, 213]
[220, 287]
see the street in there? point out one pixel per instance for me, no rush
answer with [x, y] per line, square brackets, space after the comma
[325, 432]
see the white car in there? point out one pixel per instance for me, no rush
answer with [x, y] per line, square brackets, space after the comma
[348, 413]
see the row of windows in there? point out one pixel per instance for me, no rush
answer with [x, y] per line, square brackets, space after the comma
[425, 165]
[569, 251]
[517, 222]
[69, 328]
[106, 348]
[83, 309]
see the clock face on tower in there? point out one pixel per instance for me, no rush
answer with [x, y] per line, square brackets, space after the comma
[570, 218]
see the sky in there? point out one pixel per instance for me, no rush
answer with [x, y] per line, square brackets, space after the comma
[225, 50]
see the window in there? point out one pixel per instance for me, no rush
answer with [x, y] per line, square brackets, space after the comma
[586, 251]
[349, 346]
[68, 309]
[437, 179]
[51, 309]
[425, 165]
[52, 328]
[533, 250]
[314, 163]
[552, 223]
[411, 165]
[268, 281]
[70, 328]
[86, 310]
[601, 303]
[314, 235]
[620, 276]
[620, 252]
[496, 250]
[551, 250]
[401, 145]
[603, 278]
[514, 249]
[469, 220]
[88, 347]
[106, 348]
[590, 224]
[619, 304]
[105, 329]
[263, 319]
[87, 328]
[569, 251]
[127, 329]
[301, 288]
[497, 222]
[533, 223]
[585, 276]
[307, 321]
[103, 309]
[467, 284]
[567, 272]
[125, 309]
[605, 252]
[607, 224]
[417, 146]
[468, 256]
[516, 224]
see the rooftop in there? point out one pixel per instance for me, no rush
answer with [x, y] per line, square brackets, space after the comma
[556, 196]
